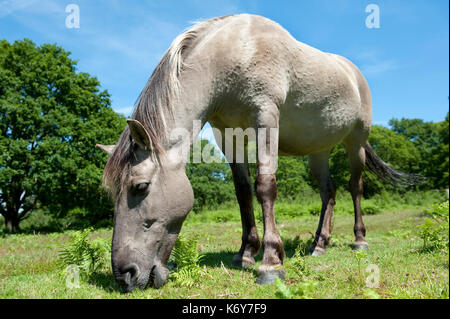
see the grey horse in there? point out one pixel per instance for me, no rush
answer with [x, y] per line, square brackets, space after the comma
[240, 71]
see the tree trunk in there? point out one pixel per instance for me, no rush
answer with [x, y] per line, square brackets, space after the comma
[12, 224]
[15, 209]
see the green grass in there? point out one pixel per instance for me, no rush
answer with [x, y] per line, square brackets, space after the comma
[311, 205]
[29, 264]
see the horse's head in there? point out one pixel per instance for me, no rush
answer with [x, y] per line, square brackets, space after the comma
[151, 204]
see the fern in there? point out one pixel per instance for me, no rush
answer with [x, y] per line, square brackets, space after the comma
[88, 256]
[185, 254]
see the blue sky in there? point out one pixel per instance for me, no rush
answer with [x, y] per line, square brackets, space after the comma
[405, 61]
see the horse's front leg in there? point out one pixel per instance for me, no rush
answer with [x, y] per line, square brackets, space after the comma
[266, 192]
[243, 188]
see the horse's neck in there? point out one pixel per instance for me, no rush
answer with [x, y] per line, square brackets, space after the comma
[184, 126]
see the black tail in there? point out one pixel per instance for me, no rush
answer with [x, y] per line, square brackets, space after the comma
[387, 173]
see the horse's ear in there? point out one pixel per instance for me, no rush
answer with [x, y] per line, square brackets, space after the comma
[106, 148]
[139, 134]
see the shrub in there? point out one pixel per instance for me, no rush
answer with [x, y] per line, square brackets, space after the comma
[298, 264]
[315, 210]
[360, 255]
[302, 290]
[370, 209]
[434, 232]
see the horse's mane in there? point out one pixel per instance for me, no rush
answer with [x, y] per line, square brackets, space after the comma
[152, 107]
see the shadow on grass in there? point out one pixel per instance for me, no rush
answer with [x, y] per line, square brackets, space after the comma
[297, 243]
[216, 259]
[104, 281]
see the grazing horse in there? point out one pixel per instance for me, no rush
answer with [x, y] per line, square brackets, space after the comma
[240, 71]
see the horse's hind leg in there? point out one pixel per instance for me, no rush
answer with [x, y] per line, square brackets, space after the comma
[250, 240]
[357, 157]
[320, 170]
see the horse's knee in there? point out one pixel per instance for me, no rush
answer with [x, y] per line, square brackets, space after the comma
[266, 187]
[243, 184]
[244, 191]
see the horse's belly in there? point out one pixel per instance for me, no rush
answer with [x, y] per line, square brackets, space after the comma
[310, 128]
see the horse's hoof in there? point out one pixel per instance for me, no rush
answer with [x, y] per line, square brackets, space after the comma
[318, 251]
[243, 261]
[360, 245]
[268, 274]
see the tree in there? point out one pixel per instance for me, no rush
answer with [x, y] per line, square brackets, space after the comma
[294, 178]
[439, 155]
[431, 140]
[51, 117]
[393, 148]
[397, 151]
[212, 183]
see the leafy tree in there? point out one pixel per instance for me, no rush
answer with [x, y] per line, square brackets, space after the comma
[422, 134]
[431, 140]
[440, 155]
[339, 166]
[51, 117]
[212, 182]
[393, 148]
[294, 178]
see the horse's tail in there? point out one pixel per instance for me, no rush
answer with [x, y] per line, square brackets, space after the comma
[387, 173]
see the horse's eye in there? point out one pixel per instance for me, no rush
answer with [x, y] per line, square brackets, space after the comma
[148, 223]
[141, 187]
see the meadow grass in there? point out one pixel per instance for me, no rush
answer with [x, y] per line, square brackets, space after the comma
[29, 263]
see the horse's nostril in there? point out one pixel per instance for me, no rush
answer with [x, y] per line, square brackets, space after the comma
[132, 269]
[128, 275]
[125, 279]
